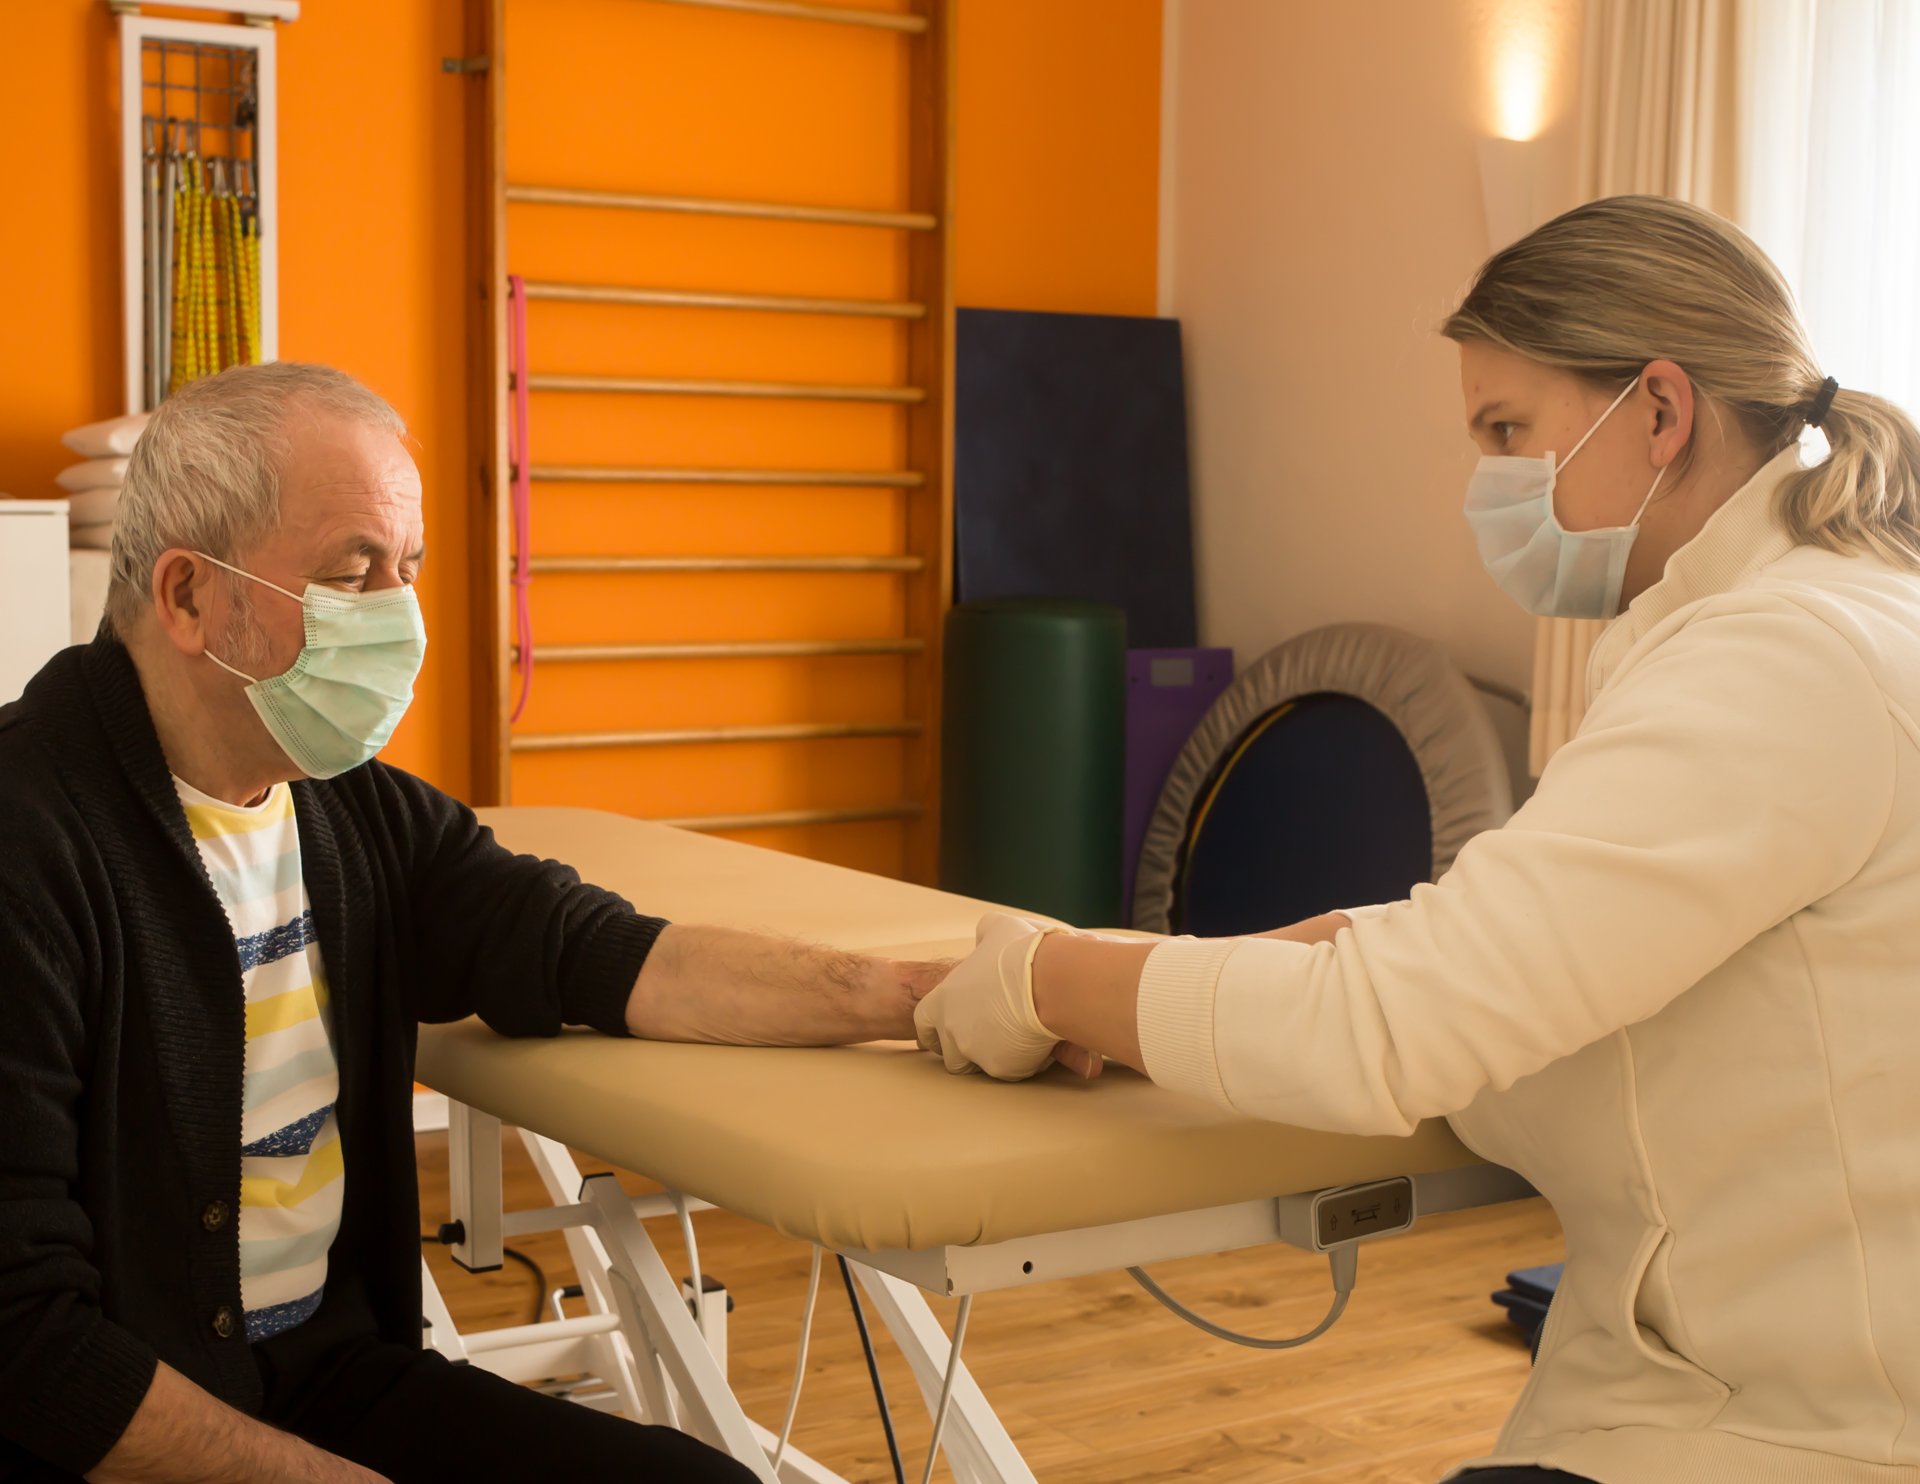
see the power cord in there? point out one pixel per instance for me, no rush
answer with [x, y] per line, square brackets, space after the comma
[693, 1259]
[799, 1362]
[873, 1373]
[946, 1386]
[452, 1231]
[1345, 1262]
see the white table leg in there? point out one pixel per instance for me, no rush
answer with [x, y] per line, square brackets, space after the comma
[473, 1186]
[976, 1443]
[643, 1284]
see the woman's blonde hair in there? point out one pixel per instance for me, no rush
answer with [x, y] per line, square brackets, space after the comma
[1619, 282]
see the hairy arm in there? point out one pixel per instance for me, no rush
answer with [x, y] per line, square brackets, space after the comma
[183, 1435]
[746, 989]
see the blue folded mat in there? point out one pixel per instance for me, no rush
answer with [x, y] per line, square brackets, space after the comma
[1525, 1298]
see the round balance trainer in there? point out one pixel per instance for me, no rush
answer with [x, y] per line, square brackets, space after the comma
[1342, 769]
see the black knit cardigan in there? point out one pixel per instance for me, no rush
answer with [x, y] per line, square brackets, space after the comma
[122, 1031]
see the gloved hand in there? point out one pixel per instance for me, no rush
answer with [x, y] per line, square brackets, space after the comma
[980, 1017]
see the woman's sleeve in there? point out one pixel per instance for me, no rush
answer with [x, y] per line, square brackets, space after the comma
[1741, 771]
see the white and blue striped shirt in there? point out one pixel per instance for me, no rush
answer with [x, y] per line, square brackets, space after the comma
[291, 1174]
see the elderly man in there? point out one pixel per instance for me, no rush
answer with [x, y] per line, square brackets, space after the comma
[219, 924]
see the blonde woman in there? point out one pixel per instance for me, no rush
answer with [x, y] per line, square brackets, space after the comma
[1680, 991]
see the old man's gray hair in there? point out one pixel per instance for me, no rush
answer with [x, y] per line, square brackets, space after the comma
[206, 472]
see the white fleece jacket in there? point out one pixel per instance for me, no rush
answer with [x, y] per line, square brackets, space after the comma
[1680, 993]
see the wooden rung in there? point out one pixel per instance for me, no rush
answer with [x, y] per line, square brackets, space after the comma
[694, 736]
[878, 20]
[728, 564]
[792, 818]
[775, 211]
[597, 293]
[830, 478]
[770, 650]
[658, 386]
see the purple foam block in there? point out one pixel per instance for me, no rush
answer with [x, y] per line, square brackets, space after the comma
[1168, 691]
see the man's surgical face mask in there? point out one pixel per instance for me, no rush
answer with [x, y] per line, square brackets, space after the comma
[341, 699]
[1545, 568]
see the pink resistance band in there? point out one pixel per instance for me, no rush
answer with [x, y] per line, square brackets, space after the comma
[522, 577]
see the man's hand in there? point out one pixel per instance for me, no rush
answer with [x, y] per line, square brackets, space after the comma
[981, 1016]
[182, 1435]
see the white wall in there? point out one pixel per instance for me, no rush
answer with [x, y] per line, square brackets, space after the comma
[1321, 213]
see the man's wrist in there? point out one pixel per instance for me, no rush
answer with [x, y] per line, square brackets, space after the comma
[890, 989]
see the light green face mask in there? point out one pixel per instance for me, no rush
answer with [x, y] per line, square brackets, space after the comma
[339, 703]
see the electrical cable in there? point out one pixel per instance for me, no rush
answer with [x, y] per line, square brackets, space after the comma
[539, 1279]
[693, 1259]
[873, 1374]
[1345, 1262]
[946, 1387]
[799, 1363]
[447, 1236]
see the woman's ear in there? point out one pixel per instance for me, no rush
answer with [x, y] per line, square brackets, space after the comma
[1670, 408]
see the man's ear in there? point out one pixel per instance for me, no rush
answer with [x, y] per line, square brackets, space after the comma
[180, 589]
[1670, 390]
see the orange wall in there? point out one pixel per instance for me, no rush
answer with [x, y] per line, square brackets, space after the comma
[1057, 168]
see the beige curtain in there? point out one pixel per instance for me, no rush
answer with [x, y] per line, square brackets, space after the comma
[1658, 116]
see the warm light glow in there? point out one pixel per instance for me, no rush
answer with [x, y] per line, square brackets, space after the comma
[1522, 41]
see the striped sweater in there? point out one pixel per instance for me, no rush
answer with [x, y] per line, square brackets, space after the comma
[291, 1175]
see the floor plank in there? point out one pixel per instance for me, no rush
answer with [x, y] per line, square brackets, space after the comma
[1093, 1379]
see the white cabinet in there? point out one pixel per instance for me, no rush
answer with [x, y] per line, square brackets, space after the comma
[35, 621]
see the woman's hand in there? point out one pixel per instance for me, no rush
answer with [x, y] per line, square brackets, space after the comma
[980, 1017]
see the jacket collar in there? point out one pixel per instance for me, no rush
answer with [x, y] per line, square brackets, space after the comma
[197, 1020]
[120, 701]
[1739, 538]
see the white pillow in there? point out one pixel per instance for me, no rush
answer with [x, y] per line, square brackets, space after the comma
[91, 538]
[104, 440]
[93, 507]
[95, 474]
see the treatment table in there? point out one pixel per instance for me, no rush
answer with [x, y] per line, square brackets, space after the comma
[923, 1180]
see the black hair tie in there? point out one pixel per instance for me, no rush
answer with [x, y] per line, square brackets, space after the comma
[1822, 402]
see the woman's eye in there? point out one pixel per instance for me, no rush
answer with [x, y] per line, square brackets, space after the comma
[1504, 432]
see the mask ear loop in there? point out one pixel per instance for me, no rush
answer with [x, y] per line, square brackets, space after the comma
[263, 581]
[1590, 431]
[229, 668]
[251, 578]
[1649, 499]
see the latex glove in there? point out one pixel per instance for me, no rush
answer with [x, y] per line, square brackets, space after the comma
[980, 1017]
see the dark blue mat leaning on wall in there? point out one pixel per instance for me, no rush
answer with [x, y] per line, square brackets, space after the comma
[1070, 466]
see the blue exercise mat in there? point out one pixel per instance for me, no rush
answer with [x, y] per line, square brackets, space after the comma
[1527, 1296]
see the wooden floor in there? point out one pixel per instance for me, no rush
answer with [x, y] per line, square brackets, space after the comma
[1094, 1380]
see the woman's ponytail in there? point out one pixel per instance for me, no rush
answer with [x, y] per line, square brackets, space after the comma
[1865, 496]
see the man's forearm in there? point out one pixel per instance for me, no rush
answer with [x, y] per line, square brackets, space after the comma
[183, 1435]
[746, 989]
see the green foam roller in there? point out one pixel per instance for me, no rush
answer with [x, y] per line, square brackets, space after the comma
[1033, 755]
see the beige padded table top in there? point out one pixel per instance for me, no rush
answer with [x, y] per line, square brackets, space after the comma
[869, 1147]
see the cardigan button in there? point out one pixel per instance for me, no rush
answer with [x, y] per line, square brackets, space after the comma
[224, 1324]
[214, 1216]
